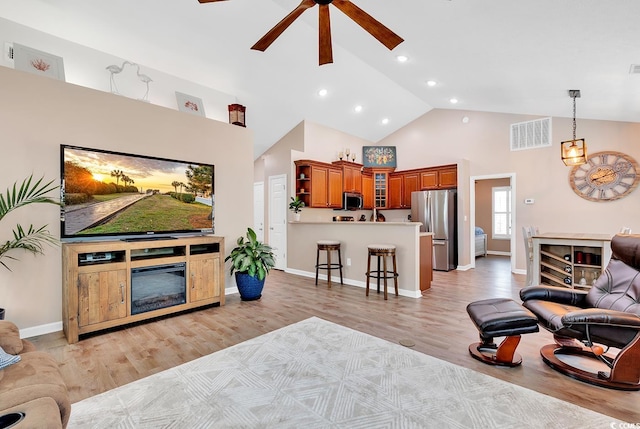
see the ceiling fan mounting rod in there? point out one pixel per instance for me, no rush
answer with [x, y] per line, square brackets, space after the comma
[323, 1]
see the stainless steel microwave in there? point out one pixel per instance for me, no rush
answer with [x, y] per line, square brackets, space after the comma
[351, 201]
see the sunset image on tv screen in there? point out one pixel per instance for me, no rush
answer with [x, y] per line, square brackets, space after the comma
[114, 193]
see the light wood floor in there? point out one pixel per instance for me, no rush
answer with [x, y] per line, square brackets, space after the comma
[437, 323]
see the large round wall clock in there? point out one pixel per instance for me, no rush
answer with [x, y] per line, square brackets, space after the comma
[606, 176]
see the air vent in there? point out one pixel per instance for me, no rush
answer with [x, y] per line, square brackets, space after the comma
[8, 52]
[635, 69]
[531, 134]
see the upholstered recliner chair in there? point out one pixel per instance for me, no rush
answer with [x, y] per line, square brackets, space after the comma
[603, 323]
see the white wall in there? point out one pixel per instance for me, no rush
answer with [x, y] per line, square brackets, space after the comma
[87, 67]
[37, 114]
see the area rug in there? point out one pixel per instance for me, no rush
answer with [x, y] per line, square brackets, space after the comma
[317, 374]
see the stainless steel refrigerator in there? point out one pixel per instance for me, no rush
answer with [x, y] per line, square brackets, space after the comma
[437, 210]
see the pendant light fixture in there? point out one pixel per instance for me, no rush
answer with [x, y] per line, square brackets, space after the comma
[574, 152]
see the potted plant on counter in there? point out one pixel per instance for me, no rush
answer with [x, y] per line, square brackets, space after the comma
[30, 239]
[251, 261]
[296, 205]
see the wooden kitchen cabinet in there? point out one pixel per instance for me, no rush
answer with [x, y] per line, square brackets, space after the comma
[395, 191]
[351, 176]
[367, 191]
[319, 184]
[381, 188]
[445, 177]
[401, 185]
[448, 177]
[334, 188]
[426, 261]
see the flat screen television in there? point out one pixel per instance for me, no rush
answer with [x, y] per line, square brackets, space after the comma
[127, 196]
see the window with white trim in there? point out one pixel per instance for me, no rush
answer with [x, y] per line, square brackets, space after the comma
[501, 205]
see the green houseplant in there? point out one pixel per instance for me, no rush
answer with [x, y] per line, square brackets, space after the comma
[296, 206]
[29, 239]
[251, 261]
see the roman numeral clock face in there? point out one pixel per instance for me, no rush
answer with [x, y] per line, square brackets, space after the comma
[606, 176]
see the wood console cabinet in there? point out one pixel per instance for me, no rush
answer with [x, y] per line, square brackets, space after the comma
[112, 283]
[319, 184]
[570, 260]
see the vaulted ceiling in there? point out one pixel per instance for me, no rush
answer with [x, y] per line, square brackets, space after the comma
[491, 55]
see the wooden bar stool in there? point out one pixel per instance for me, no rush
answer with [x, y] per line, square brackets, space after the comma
[382, 251]
[328, 246]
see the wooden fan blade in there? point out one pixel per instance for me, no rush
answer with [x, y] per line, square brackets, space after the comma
[275, 32]
[374, 27]
[324, 24]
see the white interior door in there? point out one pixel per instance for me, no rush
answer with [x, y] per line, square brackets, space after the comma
[278, 219]
[258, 209]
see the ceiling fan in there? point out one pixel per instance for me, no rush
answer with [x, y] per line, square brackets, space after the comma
[385, 36]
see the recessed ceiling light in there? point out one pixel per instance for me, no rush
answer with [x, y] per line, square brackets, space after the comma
[323, 92]
[402, 58]
[385, 121]
[358, 108]
[431, 83]
[453, 101]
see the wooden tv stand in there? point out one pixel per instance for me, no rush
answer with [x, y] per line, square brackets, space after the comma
[97, 280]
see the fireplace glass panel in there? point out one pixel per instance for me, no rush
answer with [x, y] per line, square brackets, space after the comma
[159, 286]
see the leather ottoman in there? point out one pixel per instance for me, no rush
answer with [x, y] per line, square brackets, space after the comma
[500, 317]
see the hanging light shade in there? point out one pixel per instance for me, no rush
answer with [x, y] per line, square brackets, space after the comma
[236, 114]
[574, 152]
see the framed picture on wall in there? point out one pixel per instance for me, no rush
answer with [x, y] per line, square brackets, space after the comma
[189, 104]
[37, 62]
[379, 156]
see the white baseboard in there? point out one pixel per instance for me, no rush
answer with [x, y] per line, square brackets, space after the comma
[34, 331]
[350, 282]
[464, 267]
[495, 252]
[49, 328]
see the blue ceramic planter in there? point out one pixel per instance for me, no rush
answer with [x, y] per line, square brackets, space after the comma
[250, 287]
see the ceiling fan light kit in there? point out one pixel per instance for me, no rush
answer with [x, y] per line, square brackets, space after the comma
[384, 35]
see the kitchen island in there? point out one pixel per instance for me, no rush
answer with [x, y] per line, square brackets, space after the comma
[414, 271]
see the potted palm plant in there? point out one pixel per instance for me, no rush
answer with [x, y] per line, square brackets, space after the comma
[296, 205]
[29, 239]
[251, 261]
